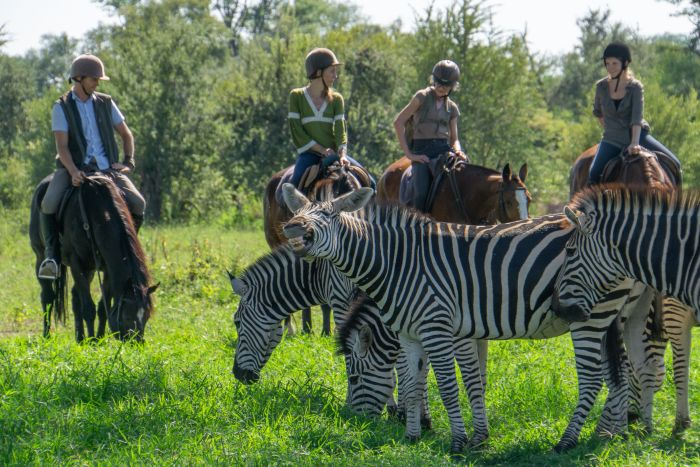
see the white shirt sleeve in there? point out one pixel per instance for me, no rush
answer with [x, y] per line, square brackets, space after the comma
[117, 116]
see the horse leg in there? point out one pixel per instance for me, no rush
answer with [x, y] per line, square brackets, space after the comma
[47, 301]
[102, 309]
[326, 310]
[306, 326]
[87, 306]
[77, 314]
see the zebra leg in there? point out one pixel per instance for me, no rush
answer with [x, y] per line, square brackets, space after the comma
[289, 325]
[587, 351]
[414, 384]
[471, 361]
[439, 345]
[326, 311]
[613, 420]
[678, 322]
[482, 346]
[402, 371]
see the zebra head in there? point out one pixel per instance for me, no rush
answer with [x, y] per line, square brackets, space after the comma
[313, 229]
[371, 351]
[258, 333]
[589, 271]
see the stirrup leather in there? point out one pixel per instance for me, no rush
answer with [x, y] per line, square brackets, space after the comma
[48, 269]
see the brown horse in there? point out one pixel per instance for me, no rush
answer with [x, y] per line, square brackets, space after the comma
[484, 196]
[641, 170]
[275, 215]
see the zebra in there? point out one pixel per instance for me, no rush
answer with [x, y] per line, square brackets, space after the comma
[650, 237]
[434, 281]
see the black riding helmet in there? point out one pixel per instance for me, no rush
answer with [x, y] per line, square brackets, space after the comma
[318, 60]
[446, 72]
[621, 52]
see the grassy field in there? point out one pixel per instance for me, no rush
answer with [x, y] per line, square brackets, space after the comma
[174, 400]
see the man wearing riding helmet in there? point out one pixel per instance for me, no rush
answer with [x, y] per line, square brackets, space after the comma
[432, 116]
[317, 115]
[83, 122]
[619, 106]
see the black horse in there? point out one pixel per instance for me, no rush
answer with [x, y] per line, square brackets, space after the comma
[97, 234]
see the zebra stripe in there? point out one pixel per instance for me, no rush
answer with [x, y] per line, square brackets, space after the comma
[434, 281]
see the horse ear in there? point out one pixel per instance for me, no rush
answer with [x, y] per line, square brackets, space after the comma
[152, 288]
[353, 201]
[573, 216]
[523, 172]
[239, 287]
[293, 198]
[507, 174]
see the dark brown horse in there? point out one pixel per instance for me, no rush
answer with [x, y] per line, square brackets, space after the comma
[275, 215]
[98, 234]
[486, 196]
[640, 170]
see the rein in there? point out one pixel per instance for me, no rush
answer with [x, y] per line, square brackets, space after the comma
[449, 168]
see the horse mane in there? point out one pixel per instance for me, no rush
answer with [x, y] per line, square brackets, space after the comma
[112, 203]
[619, 196]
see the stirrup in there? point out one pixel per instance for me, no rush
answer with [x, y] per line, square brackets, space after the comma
[48, 269]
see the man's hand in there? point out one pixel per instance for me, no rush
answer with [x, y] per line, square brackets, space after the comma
[77, 177]
[125, 169]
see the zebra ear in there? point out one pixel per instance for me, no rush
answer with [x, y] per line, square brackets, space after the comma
[353, 201]
[574, 217]
[293, 198]
[365, 338]
[238, 286]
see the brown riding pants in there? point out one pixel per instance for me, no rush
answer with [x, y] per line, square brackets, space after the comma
[62, 180]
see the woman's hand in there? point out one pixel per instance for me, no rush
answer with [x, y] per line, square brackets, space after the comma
[421, 158]
[634, 149]
[461, 154]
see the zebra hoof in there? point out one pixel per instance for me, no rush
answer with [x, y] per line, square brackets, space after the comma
[412, 438]
[478, 441]
[564, 445]
[457, 445]
[680, 426]
[426, 423]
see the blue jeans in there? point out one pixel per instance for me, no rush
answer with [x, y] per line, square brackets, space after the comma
[607, 151]
[308, 158]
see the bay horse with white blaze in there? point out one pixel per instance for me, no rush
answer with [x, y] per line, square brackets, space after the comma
[98, 234]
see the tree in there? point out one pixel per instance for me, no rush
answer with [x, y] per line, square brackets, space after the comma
[692, 11]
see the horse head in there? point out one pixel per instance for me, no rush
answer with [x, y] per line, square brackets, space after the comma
[513, 196]
[130, 311]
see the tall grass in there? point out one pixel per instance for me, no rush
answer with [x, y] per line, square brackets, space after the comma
[173, 400]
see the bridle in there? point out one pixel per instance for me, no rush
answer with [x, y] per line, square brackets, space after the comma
[501, 214]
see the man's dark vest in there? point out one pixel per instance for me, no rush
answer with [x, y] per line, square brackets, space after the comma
[77, 145]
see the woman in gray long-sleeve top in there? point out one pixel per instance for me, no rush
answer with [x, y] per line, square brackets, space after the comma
[619, 105]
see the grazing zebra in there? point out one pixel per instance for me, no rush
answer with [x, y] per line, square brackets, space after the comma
[650, 237]
[434, 281]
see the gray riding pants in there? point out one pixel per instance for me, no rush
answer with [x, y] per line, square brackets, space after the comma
[62, 180]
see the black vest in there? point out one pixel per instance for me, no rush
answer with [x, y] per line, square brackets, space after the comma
[77, 145]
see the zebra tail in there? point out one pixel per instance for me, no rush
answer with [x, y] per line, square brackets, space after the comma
[614, 349]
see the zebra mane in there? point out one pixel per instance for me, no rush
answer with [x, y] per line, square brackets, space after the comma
[353, 320]
[617, 197]
[390, 215]
[280, 254]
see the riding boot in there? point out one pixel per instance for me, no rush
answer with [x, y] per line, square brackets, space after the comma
[49, 231]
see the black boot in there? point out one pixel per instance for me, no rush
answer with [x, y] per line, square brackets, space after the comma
[49, 231]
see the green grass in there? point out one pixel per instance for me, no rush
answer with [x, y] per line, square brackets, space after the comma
[174, 400]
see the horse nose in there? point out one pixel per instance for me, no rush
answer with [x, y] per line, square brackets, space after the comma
[294, 229]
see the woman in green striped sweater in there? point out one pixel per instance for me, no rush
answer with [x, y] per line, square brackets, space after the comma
[317, 115]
